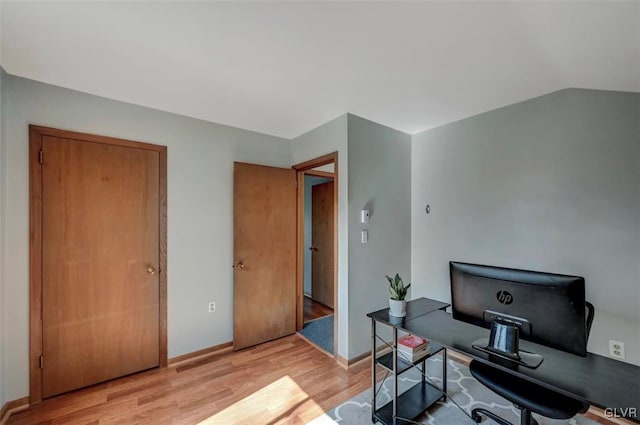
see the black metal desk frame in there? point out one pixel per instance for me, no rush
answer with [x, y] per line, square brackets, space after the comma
[419, 398]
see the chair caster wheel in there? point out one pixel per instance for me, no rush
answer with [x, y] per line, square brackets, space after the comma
[476, 418]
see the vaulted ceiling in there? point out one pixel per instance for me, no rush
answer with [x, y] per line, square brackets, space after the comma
[284, 68]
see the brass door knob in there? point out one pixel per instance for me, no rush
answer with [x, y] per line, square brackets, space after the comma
[239, 266]
[151, 271]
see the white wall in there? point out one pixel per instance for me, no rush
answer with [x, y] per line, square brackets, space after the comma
[309, 182]
[332, 137]
[200, 188]
[550, 184]
[380, 181]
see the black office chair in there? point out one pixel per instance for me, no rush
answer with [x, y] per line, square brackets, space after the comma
[526, 396]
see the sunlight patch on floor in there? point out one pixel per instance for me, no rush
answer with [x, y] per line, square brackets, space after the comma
[270, 405]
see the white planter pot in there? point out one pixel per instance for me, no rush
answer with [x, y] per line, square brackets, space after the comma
[397, 308]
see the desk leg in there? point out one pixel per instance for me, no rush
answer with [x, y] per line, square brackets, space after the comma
[444, 373]
[395, 374]
[373, 369]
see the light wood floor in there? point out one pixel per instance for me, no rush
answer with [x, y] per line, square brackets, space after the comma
[314, 310]
[286, 381]
[281, 382]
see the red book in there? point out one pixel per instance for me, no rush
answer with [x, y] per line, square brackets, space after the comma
[412, 343]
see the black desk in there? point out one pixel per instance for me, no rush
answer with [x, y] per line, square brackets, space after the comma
[597, 380]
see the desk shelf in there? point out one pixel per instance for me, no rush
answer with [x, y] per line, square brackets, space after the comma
[386, 360]
[410, 404]
[421, 396]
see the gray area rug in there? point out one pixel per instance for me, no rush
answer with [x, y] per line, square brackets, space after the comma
[462, 388]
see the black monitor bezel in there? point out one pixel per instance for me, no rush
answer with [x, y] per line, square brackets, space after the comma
[519, 276]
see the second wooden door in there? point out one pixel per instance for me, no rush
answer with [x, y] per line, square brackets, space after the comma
[322, 243]
[264, 286]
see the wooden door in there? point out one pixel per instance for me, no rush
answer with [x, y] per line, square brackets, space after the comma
[322, 243]
[264, 223]
[100, 259]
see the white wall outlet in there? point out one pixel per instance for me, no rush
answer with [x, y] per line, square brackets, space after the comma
[212, 307]
[616, 349]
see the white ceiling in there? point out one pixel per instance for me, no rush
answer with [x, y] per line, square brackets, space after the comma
[284, 68]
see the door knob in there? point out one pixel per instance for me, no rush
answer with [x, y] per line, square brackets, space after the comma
[239, 266]
[151, 271]
[313, 248]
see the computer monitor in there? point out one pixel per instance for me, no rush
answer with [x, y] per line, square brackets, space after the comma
[545, 308]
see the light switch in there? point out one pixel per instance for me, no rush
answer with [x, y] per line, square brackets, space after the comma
[365, 236]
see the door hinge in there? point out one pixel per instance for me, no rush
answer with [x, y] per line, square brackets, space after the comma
[41, 362]
[41, 157]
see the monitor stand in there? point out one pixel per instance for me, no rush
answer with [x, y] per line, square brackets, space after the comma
[503, 342]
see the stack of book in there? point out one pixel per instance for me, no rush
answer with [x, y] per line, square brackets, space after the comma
[412, 348]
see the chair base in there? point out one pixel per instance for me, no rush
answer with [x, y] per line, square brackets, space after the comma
[525, 417]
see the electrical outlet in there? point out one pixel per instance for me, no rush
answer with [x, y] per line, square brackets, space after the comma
[212, 307]
[616, 349]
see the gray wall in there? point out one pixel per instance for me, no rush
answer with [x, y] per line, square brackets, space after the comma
[3, 180]
[327, 138]
[380, 181]
[200, 220]
[550, 184]
[309, 182]
[376, 173]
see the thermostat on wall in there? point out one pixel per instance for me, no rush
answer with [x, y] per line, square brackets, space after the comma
[364, 216]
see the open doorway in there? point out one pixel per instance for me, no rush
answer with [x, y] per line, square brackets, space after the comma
[317, 252]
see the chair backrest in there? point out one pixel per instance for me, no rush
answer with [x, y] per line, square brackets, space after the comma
[591, 312]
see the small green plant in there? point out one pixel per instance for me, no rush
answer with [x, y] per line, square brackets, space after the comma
[397, 290]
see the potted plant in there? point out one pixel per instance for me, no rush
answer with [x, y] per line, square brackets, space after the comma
[397, 295]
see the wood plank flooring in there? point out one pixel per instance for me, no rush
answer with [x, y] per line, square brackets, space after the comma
[285, 381]
[314, 310]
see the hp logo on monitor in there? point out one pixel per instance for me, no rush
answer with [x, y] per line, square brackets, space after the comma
[504, 297]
